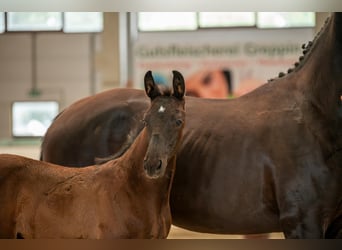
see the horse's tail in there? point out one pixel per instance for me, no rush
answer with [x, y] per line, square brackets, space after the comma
[43, 138]
[129, 141]
[41, 154]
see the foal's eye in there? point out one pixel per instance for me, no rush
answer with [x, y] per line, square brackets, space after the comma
[179, 122]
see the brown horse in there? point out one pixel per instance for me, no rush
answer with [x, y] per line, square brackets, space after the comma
[123, 198]
[268, 161]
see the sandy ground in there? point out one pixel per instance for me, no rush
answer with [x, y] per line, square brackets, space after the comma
[179, 233]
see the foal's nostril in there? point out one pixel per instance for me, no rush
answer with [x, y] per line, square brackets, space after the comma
[159, 165]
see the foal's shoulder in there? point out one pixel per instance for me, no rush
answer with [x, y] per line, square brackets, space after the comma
[11, 164]
[8, 160]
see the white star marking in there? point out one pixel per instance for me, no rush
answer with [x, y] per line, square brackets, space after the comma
[161, 109]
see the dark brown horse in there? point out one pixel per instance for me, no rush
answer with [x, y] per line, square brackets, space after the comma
[123, 198]
[268, 161]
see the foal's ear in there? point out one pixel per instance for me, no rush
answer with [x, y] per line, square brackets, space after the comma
[151, 88]
[178, 85]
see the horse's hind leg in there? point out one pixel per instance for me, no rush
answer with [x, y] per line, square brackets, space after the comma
[19, 236]
[7, 227]
[11, 233]
[6, 233]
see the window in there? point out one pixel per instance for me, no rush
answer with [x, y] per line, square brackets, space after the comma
[166, 21]
[33, 21]
[159, 21]
[68, 22]
[226, 19]
[2, 22]
[285, 19]
[83, 22]
[32, 118]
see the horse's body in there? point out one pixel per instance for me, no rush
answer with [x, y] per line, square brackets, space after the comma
[268, 161]
[124, 198]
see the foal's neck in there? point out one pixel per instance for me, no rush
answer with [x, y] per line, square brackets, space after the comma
[132, 163]
[136, 153]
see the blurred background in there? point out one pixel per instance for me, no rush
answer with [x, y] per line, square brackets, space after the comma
[49, 60]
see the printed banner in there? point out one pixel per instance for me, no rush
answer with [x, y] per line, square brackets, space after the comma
[241, 60]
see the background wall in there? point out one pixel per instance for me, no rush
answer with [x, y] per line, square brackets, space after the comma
[252, 56]
[63, 67]
[72, 66]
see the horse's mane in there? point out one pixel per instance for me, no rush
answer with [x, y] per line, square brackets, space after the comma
[306, 50]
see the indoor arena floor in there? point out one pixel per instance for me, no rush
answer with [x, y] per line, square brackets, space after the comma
[179, 233]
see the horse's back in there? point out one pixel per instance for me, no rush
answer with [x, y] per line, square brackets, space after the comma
[93, 127]
[11, 165]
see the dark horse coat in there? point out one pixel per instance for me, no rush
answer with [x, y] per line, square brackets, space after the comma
[268, 161]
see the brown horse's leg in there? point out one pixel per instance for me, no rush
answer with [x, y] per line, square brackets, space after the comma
[334, 230]
[303, 224]
[19, 236]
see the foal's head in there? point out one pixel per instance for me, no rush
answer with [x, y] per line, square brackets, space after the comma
[164, 122]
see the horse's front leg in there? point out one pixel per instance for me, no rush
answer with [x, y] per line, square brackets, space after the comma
[301, 210]
[334, 230]
[307, 200]
[301, 224]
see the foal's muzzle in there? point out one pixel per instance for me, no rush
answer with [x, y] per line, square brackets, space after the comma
[153, 169]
